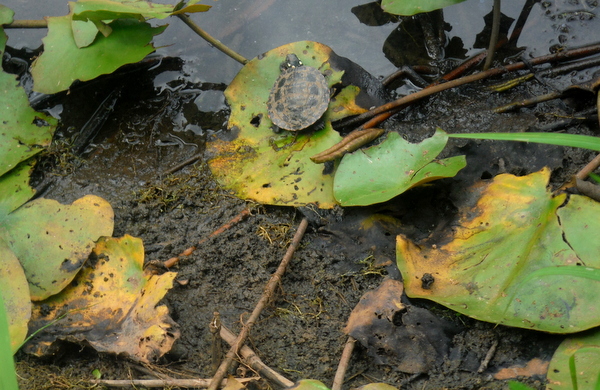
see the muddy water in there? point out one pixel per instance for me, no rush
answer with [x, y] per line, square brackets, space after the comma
[165, 111]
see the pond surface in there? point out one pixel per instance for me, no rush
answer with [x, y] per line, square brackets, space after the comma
[163, 115]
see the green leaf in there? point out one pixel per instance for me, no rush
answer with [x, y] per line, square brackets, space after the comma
[309, 384]
[8, 377]
[14, 289]
[111, 10]
[575, 364]
[14, 188]
[412, 7]
[381, 172]
[25, 132]
[573, 140]
[62, 62]
[52, 241]
[6, 17]
[517, 256]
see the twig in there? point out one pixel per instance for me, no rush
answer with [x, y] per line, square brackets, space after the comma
[27, 24]
[187, 162]
[235, 220]
[189, 383]
[213, 41]
[494, 35]
[338, 380]
[264, 299]
[254, 361]
[402, 102]
[488, 356]
[589, 168]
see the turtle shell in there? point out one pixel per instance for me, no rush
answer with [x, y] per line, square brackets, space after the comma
[298, 99]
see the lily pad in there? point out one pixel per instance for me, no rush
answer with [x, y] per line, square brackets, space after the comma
[15, 293]
[62, 62]
[25, 132]
[575, 363]
[15, 189]
[6, 17]
[412, 7]
[518, 256]
[381, 172]
[112, 305]
[52, 240]
[259, 164]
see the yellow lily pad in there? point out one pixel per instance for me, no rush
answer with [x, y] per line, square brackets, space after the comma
[519, 256]
[112, 305]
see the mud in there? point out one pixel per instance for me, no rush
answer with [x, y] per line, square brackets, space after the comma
[300, 332]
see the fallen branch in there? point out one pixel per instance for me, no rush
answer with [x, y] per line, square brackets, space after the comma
[264, 299]
[189, 383]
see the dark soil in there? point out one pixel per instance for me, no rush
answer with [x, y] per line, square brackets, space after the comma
[300, 333]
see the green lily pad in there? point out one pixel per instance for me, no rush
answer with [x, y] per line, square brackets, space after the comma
[383, 171]
[14, 290]
[52, 240]
[25, 132]
[518, 256]
[259, 164]
[62, 62]
[575, 363]
[110, 10]
[6, 17]
[412, 7]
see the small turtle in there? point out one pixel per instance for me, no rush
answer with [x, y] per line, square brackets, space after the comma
[299, 97]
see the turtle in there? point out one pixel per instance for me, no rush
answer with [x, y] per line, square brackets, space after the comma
[299, 97]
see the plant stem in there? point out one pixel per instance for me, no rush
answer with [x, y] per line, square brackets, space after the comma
[494, 36]
[213, 41]
[27, 24]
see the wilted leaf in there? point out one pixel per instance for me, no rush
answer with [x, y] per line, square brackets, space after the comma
[112, 305]
[62, 62]
[15, 292]
[518, 257]
[383, 171]
[406, 337]
[575, 363]
[25, 132]
[412, 7]
[259, 164]
[534, 367]
[52, 240]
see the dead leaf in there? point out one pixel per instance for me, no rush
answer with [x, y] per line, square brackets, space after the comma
[407, 337]
[111, 304]
[533, 367]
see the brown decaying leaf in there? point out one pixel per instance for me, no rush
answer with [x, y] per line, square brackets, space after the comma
[407, 337]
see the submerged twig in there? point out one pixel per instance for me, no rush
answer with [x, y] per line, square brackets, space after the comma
[210, 39]
[264, 299]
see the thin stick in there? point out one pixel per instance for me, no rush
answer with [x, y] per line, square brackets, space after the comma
[232, 222]
[264, 299]
[488, 357]
[589, 168]
[338, 380]
[408, 99]
[494, 36]
[27, 24]
[252, 360]
[189, 383]
[213, 41]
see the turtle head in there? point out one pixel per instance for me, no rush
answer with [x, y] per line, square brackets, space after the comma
[291, 61]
